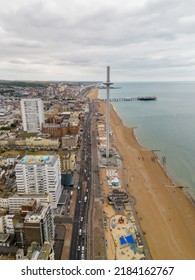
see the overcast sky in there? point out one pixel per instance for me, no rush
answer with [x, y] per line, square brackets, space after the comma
[141, 40]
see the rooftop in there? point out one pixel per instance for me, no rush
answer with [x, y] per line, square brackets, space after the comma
[38, 159]
[4, 237]
[37, 214]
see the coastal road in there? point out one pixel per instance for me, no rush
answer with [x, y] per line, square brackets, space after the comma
[95, 185]
[79, 236]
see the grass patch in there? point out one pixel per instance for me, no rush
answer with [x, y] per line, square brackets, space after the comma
[99, 244]
[26, 135]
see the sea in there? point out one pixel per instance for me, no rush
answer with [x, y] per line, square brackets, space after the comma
[166, 125]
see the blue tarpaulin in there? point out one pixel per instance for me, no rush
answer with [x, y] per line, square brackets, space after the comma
[130, 239]
[122, 241]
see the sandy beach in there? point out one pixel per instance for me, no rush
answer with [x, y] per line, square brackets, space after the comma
[166, 215]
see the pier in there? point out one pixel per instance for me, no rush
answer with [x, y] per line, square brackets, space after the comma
[141, 98]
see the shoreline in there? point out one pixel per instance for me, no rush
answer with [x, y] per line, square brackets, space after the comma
[146, 149]
[165, 213]
[94, 95]
[184, 188]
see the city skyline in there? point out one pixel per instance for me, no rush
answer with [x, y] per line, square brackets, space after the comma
[68, 41]
[62, 199]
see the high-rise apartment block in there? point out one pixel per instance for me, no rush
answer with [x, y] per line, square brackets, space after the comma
[38, 175]
[32, 114]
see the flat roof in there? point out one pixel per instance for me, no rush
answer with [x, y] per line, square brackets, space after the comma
[65, 113]
[30, 196]
[4, 237]
[38, 159]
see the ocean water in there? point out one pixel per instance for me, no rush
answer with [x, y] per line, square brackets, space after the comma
[167, 124]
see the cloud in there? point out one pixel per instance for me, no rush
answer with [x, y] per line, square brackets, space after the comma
[66, 39]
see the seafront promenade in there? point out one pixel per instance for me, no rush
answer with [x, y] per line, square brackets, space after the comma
[166, 215]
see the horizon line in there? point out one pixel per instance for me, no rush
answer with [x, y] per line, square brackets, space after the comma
[95, 81]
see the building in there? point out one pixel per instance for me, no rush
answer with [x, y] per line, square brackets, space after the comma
[9, 223]
[37, 252]
[12, 159]
[118, 199]
[39, 225]
[4, 196]
[67, 179]
[6, 223]
[36, 225]
[6, 240]
[69, 142]
[69, 161]
[32, 114]
[31, 142]
[55, 130]
[17, 201]
[39, 175]
[2, 223]
[42, 142]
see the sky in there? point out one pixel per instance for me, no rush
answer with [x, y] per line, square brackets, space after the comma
[75, 40]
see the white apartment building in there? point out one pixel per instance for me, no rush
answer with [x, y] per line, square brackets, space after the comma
[9, 223]
[16, 201]
[32, 114]
[39, 175]
[6, 223]
[2, 224]
[4, 202]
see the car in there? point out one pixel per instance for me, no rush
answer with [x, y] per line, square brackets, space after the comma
[81, 219]
[80, 231]
[79, 248]
[82, 256]
[83, 249]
